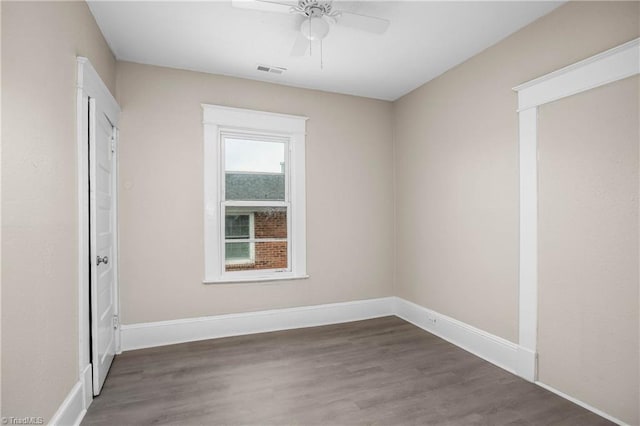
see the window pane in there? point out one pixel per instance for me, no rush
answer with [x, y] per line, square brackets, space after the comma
[254, 170]
[256, 238]
[255, 222]
[270, 222]
[253, 156]
[267, 255]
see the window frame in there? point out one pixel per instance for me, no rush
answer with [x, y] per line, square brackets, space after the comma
[220, 122]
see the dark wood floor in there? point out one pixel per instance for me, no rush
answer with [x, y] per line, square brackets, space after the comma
[382, 371]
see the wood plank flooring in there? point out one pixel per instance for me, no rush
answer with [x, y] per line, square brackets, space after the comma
[382, 371]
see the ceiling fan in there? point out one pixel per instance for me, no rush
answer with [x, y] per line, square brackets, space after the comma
[318, 16]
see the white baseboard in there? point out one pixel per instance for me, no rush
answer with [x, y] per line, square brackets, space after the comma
[501, 352]
[494, 349]
[582, 404]
[527, 364]
[146, 335]
[86, 376]
[74, 407]
[72, 410]
[485, 345]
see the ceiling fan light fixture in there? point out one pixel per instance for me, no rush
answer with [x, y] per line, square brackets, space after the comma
[315, 28]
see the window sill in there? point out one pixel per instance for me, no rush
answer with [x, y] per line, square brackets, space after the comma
[287, 277]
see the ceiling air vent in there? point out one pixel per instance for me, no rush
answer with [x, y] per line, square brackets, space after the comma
[272, 70]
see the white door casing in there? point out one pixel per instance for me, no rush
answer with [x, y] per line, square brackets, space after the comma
[612, 65]
[102, 136]
[91, 89]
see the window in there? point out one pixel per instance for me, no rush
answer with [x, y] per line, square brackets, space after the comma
[254, 195]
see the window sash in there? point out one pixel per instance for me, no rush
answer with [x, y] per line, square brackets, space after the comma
[258, 137]
[237, 203]
[252, 240]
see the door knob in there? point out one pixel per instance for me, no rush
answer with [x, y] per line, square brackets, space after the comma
[104, 260]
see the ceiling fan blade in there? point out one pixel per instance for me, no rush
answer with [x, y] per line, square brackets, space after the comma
[300, 46]
[370, 24]
[264, 5]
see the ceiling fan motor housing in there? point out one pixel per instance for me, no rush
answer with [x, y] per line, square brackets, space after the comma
[315, 27]
[315, 8]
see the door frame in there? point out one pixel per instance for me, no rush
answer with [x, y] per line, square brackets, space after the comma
[91, 86]
[615, 64]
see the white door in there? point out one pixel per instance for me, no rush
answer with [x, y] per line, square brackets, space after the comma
[101, 167]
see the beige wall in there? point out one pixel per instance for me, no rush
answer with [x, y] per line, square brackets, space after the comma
[588, 247]
[349, 195]
[456, 147]
[40, 42]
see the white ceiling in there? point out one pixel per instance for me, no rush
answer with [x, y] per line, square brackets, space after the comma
[424, 40]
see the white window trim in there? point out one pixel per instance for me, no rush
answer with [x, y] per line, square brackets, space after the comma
[218, 120]
[607, 67]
